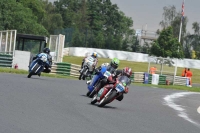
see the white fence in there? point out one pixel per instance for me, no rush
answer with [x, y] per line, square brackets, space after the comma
[56, 45]
[130, 56]
[7, 41]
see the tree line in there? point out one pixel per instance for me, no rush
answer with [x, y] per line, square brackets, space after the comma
[97, 24]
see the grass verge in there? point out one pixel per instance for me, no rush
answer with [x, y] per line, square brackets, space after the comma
[18, 71]
[175, 87]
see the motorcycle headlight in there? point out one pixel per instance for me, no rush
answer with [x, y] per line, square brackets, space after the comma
[44, 58]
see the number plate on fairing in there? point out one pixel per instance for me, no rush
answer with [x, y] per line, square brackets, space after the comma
[120, 88]
[107, 74]
[90, 61]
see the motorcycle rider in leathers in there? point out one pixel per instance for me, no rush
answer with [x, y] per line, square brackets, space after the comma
[111, 67]
[124, 72]
[95, 56]
[47, 68]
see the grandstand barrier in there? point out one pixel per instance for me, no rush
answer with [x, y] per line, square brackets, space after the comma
[6, 60]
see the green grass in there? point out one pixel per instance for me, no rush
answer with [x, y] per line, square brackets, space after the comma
[18, 71]
[176, 87]
[137, 66]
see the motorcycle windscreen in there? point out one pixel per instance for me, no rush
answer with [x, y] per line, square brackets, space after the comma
[124, 80]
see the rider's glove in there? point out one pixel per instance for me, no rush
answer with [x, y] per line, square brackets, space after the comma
[126, 90]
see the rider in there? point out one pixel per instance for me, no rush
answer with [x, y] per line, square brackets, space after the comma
[95, 57]
[112, 67]
[49, 58]
[124, 72]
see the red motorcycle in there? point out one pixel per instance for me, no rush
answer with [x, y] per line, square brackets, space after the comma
[110, 92]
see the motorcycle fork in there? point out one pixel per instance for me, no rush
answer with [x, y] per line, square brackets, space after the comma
[107, 92]
[86, 72]
[33, 66]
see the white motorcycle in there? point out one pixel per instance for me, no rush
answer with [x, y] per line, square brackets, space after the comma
[88, 66]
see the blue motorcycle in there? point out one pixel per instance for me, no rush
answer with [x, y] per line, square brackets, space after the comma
[37, 65]
[102, 75]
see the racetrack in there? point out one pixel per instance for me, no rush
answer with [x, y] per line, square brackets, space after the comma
[50, 105]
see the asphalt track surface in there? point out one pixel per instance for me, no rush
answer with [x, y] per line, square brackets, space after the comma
[50, 105]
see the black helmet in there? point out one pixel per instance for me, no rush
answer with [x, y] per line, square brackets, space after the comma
[46, 50]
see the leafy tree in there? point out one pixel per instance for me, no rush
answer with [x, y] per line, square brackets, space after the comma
[166, 45]
[51, 20]
[196, 28]
[173, 18]
[176, 26]
[14, 15]
[36, 7]
[135, 44]
[77, 40]
[146, 48]
[169, 13]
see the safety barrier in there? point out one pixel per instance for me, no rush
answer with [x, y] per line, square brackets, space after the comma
[168, 79]
[73, 70]
[161, 79]
[66, 69]
[137, 77]
[69, 69]
[6, 60]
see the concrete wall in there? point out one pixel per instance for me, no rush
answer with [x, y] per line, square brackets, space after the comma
[130, 56]
[22, 59]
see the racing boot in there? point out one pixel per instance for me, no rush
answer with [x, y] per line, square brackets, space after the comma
[120, 98]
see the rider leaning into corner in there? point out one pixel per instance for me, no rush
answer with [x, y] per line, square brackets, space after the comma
[111, 67]
[124, 72]
[47, 67]
[94, 55]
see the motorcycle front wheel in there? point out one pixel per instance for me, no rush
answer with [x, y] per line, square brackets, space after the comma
[82, 76]
[107, 99]
[32, 72]
[94, 99]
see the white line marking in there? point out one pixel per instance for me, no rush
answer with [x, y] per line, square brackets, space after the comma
[198, 110]
[169, 100]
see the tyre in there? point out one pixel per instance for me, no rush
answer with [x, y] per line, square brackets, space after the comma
[33, 71]
[107, 99]
[88, 93]
[94, 99]
[92, 93]
[81, 76]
